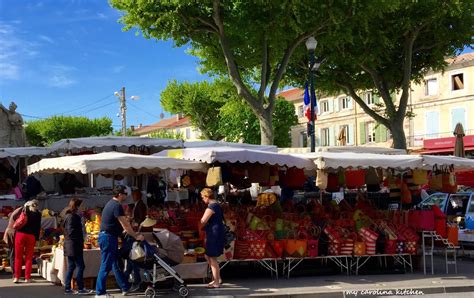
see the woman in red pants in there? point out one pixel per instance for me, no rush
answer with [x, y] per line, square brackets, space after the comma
[25, 239]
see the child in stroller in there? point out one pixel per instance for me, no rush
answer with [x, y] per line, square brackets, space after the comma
[157, 261]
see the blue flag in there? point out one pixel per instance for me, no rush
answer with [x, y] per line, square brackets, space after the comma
[306, 97]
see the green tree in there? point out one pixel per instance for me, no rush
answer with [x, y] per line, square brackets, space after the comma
[165, 134]
[47, 131]
[200, 101]
[219, 113]
[387, 49]
[250, 41]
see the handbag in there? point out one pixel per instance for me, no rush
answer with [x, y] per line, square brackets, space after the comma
[21, 221]
[354, 178]
[214, 176]
[229, 236]
[321, 179]
[420, 177]
[137, 253]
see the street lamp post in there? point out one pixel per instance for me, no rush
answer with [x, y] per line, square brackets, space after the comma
[311, 44]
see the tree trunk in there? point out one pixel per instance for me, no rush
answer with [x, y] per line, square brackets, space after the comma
[398, 135]
[266, 128]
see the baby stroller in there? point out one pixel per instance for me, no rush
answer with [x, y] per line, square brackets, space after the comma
[168, 251]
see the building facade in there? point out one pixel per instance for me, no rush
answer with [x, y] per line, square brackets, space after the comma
[440, 101]
[177, 125]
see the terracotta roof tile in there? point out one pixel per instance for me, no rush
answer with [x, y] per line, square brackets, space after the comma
[292, 94]
[162, 124]
[461, 58]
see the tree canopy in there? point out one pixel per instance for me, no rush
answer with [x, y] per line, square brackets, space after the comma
[219, 113]
[47, 131]
[387, 49]
[250, 41]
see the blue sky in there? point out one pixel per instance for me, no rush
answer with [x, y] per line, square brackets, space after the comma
[70, 56]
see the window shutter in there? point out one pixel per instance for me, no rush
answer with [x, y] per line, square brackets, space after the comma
[350, 135]
[458, 115]
[351, 102]
[376, 98]
[383, 133]
[318, 138]
[362, 136]
[378, 133]
[332, 137]
[331, 105]
[336, 104]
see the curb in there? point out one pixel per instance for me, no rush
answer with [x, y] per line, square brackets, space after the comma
[362, 293]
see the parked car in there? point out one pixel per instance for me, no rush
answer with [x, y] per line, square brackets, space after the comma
[453, 205]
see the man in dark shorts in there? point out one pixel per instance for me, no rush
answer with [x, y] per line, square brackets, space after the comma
[112, 225]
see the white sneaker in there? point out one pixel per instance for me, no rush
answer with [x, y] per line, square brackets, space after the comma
[16, 280]
[107, 295]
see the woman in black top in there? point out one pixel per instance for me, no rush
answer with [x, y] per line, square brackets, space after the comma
[25, 239]
[73, 247]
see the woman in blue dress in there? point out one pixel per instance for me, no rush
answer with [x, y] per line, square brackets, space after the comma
[213, 223]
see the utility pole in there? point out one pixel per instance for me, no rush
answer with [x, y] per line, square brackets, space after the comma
[123, 112]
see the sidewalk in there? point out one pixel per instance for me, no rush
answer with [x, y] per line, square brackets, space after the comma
[299, 286]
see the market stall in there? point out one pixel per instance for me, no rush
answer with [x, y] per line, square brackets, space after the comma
[141, 145]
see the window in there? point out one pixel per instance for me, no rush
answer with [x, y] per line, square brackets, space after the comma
[370, 132]
[324, 106]
[369, 98]
[457, 82]
[300, 111]
[458, 115]
[325, 137]
[188, 133]
[345, 103]
[431, 87]
[344, 129]
[303, 139]
[432, 124]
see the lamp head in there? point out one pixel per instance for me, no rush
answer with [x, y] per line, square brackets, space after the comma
[134, 97]
[311, 43]
[117, 94]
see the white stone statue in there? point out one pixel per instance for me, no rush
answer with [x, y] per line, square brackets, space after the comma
[12, 133]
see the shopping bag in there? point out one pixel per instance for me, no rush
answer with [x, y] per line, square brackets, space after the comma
[449, 181]
[256, 249]
[359, 248]
[334, 248]
[274, 248]
[420, 177]
[354, 178]
[421, 220]
[241, 249]
[453, 231]
[370, 247]
[390, 246]
[21, 220]
[312, 246]
[137, 253]
[406, 194]
[296, 246]
[214, 176]
[368, 234]
[436, 179]
[321, 179]
[410, 247]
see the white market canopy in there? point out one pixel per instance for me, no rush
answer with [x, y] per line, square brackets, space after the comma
[199, 144]
[336, 149]
[333, 160]
[110, 143]
[112, 163]
[232, 155]
[442, 160]
[23, 151]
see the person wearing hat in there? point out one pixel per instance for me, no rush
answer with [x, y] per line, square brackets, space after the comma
[112, 224]
[25, 239]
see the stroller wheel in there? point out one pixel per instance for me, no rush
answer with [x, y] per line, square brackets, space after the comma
[183, 291]
[150, 293]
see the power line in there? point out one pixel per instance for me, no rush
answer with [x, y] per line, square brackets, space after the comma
[87, 105]
[29, 116]
[96, 108]
[143, 110]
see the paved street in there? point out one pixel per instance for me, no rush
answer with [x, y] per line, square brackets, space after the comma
[452, 285]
